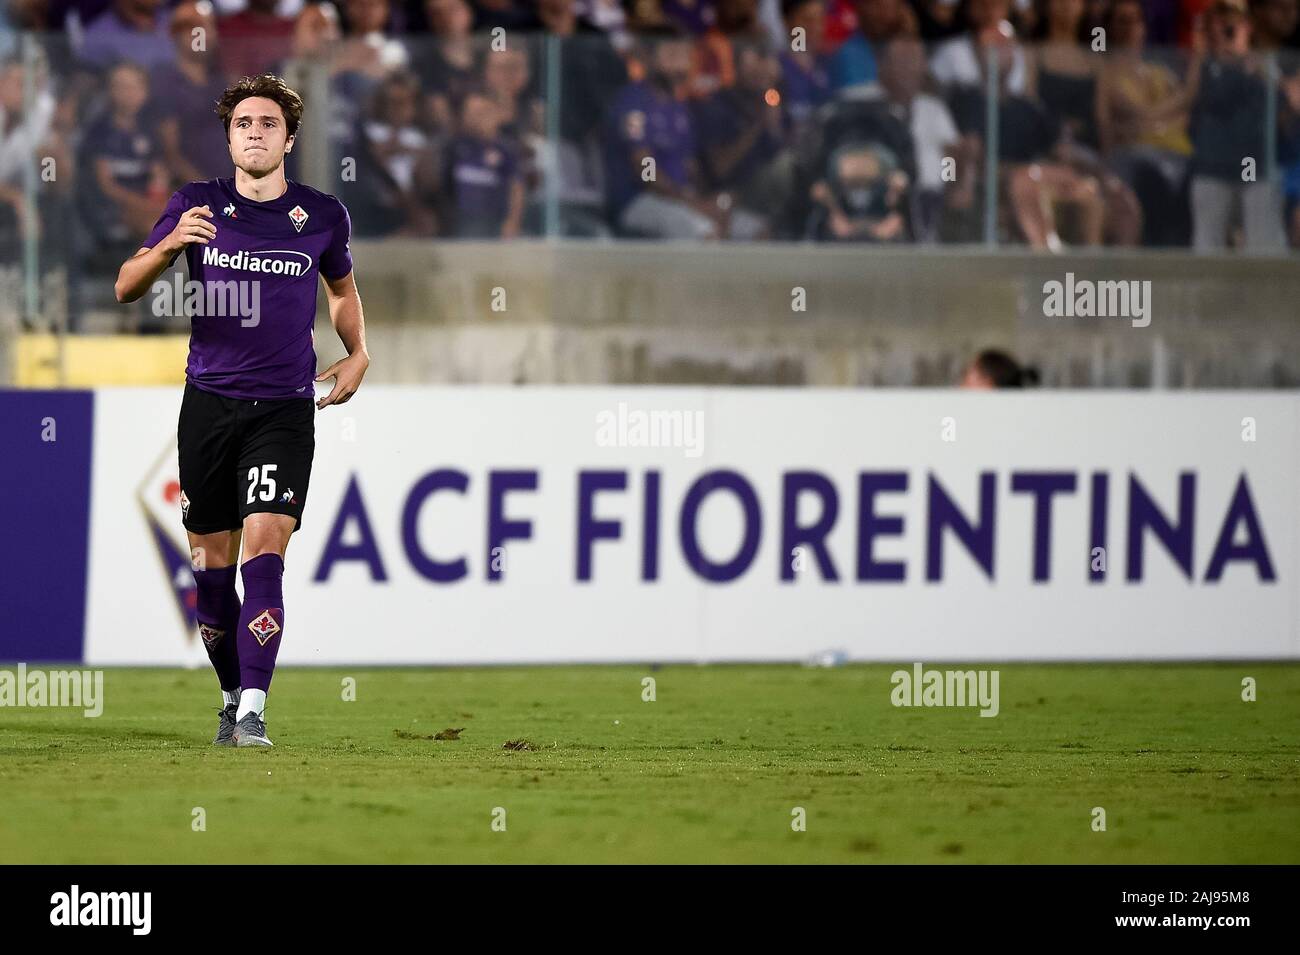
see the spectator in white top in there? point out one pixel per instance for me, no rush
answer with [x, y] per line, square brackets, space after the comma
[958, 62]
[24, 130]
[935, 137]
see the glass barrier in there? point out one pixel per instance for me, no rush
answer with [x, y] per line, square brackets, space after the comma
[438, 138]
[994, 144]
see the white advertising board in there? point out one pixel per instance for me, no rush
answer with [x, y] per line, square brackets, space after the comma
[496, 525]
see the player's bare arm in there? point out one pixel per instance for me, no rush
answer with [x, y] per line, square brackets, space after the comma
[349, 322]
[140, 271]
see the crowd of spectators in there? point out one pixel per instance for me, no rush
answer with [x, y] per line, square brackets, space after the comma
[1112, 122]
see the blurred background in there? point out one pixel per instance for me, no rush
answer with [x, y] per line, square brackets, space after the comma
[795, 192]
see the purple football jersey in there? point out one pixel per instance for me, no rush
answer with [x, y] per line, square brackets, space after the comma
[274, 251]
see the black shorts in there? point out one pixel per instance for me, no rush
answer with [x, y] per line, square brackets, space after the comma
[241, 457]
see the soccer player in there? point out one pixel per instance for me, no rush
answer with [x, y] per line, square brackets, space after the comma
[255, 244]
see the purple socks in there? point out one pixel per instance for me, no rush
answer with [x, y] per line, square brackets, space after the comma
[260, 621]
[217, 606]
[242, 642]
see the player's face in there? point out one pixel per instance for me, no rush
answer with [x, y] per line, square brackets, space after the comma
[258, 136]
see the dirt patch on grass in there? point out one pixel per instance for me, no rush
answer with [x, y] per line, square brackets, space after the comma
[441, 734]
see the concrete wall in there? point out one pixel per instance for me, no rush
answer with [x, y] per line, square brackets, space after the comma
[647, 313]
[629, 312]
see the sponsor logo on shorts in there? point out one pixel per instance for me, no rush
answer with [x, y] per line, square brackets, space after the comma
[264, 627]
[287, 497]
[211, 635]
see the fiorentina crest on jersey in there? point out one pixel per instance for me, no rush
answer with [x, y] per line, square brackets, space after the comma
[297, 216]
[264, 627]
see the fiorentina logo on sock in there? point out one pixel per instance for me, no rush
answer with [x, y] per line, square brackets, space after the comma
[264, 627]
[211, 635]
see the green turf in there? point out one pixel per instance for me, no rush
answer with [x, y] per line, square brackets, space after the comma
[709, 772]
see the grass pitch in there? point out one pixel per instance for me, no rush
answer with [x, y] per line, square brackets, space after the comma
[710, 772]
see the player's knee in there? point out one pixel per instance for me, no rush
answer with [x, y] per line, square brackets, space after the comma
[266, 534]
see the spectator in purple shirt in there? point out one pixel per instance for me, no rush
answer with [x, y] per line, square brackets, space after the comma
[652, 174]
[133, 31]
[193, 144]
[507, 75]
[126, 188]
[507, 78]
[487, 190]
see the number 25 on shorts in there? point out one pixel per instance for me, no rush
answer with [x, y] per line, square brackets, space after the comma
[261, 477]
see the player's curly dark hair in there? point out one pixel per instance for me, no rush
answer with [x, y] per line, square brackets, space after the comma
[267, 85]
